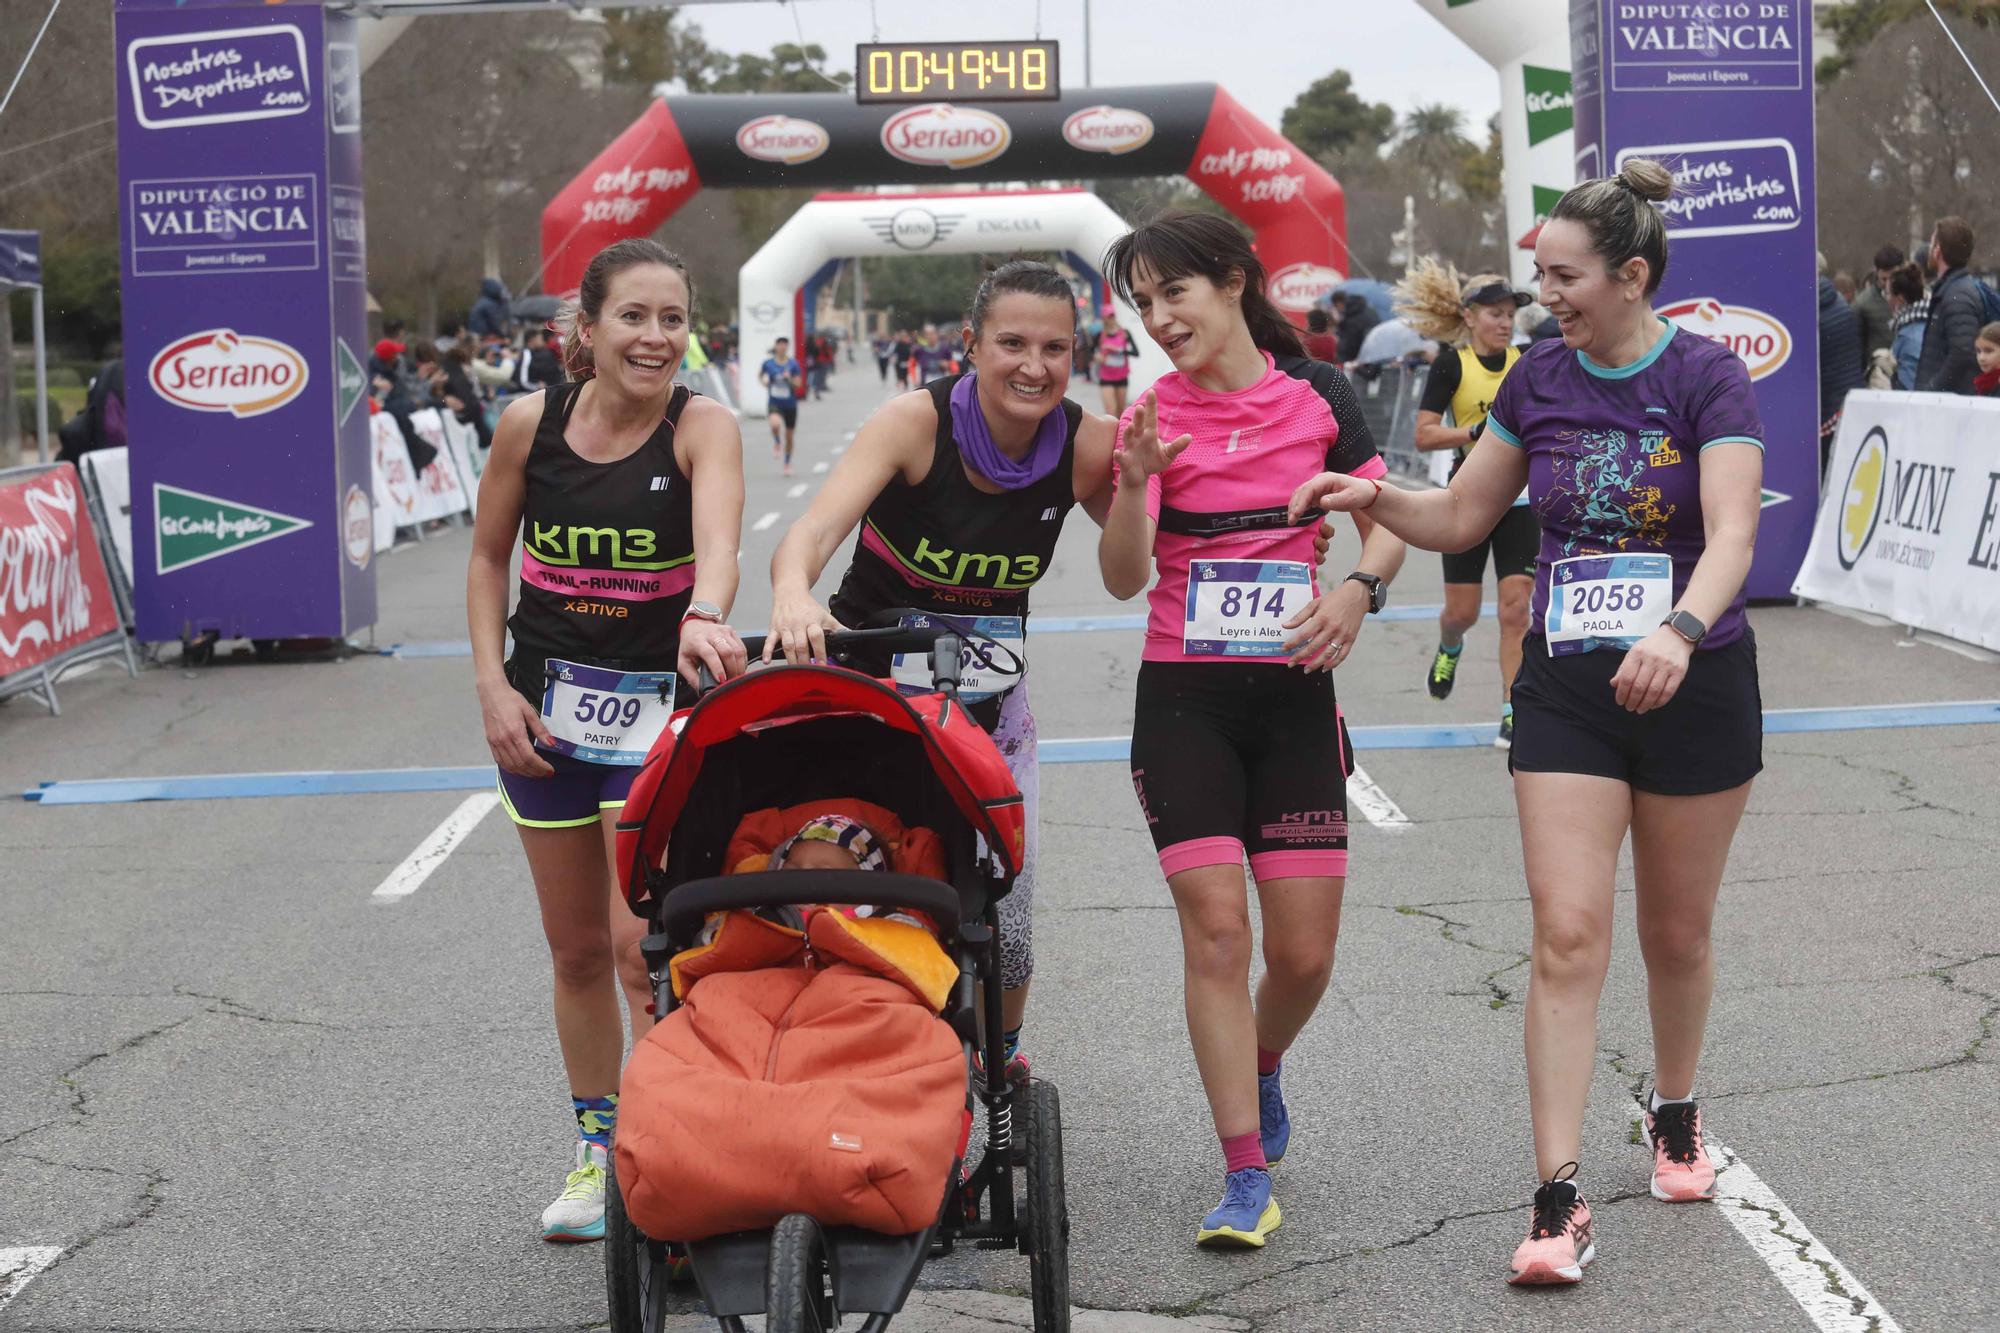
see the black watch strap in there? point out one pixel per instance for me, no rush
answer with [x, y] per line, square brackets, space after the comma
[1378, 592]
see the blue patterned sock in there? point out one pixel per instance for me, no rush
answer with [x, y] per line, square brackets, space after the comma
[594, 1118]
[1011, 1042]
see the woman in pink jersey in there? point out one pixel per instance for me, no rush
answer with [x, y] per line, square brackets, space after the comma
[1233, 753]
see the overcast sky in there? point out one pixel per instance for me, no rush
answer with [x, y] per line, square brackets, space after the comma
[1264, 52]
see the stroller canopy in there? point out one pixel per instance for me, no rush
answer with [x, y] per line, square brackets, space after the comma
[962, 757]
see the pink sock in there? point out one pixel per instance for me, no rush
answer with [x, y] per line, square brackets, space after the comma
[1244, 1151]
[1267, 1062]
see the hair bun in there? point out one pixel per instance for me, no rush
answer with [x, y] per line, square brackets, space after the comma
[1647, 178]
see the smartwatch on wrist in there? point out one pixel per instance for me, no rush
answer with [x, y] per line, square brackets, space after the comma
[1687, 626]
[1378, 591]
[708, 611]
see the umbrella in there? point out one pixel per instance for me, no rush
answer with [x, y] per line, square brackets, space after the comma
[538, 307]
[1378, 294]
[1391, 340]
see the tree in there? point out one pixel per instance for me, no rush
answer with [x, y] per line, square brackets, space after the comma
[1854, 26]
[1905, 137]
[1432, 140]
[1330, 118]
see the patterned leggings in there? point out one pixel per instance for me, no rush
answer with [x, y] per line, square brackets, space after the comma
[1014, 734]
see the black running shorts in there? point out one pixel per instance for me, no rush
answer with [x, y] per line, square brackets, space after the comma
[1232, 759]
[1708, 738]
[1515, 541]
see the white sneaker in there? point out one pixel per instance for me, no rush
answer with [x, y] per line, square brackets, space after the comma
[579, 1214]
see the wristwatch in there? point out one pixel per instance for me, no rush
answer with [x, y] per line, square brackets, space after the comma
[703, 611]
[1687, 626]
[1378, 591]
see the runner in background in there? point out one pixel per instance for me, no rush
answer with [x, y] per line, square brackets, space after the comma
[1637, 706]
[1234, 752]
[900, 355]
[1321, 345]
[784, 384]
[630, 490]
[1113, 359]
[1475, 317]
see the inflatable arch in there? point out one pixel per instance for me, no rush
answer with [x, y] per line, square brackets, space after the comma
[827, 140]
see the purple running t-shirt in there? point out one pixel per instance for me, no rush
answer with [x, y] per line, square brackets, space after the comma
[1614, 455]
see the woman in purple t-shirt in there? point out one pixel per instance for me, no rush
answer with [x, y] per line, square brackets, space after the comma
[1637, 704]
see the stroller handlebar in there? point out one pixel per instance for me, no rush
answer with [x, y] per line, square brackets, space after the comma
[688, 905]
[942, 642]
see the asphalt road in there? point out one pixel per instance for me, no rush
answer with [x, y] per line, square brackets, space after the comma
[237, 1092]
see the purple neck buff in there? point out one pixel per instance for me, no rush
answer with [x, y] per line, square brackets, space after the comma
[975, 441]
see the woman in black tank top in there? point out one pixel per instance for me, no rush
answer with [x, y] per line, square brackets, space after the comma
[960, 490]
[627, 493]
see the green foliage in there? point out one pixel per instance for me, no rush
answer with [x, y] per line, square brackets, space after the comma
[1329, 118]
[1139, 198]
[1858, 22]
[79, 293]
[921, 289]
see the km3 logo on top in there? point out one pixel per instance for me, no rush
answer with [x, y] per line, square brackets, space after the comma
[215, 78]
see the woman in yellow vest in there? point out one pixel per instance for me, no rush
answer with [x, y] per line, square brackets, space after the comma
[1475, 318]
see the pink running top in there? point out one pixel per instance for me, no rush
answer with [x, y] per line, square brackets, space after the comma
[1224, 498]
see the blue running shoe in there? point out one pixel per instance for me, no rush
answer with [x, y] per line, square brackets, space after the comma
[1274, 1125]
[1246, 1215]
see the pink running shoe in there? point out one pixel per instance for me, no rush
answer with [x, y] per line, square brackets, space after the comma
[1559, 1243]
[1682, 1172]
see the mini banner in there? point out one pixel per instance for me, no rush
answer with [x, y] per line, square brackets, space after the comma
[1725, 99]
[54, 593]
[243, 259]
[1910, 524]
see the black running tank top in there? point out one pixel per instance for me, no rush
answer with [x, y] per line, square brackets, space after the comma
[945, 545]
[607, 549]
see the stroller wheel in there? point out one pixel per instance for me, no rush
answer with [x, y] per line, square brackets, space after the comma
[635, 1266]
[1045, 1222]
[797, 1298]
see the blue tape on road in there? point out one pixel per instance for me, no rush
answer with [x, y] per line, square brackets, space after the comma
[1081, 750]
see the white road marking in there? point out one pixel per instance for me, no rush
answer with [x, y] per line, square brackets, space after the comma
[1374, 803]
[19, 1264]
[1830, 1295]
[850, 435]
[765, 521]
[408, 877]
[821, 467]
[839, 449]
[796, 491]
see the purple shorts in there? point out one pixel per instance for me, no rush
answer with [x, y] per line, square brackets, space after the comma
[577, 793]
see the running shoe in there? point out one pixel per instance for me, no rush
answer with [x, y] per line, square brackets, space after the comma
[1504, 740]
[1444, 671]
[579, 1214]
[1246, 1216]
[1274, 1126]
[1559, 1243]
[1682, 1172]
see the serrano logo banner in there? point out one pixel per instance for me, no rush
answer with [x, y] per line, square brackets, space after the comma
[783, 139]
[1108, 129]
[1758, 338]
[1300, 286]
[220, 370]
[938, 134]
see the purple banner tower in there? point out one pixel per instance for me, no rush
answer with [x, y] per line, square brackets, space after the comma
[239, 168]
[1723, 94]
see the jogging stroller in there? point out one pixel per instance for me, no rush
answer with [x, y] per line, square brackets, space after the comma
[782, 736]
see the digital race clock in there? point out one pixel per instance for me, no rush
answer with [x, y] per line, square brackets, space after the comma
[956, 71]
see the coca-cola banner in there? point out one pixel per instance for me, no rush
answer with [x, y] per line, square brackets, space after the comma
[683, 144]
[244, 318]
[54, 594]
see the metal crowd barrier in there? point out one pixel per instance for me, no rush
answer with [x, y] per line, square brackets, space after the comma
[1389, 398]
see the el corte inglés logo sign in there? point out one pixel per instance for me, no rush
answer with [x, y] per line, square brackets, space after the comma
[1759, 339]
[938, 134]
[783, 139]
[220, 370]
[1108, 129]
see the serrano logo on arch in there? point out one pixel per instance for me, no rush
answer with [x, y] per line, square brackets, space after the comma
[1763, 343]
[220, 370]
[1108, 129]
[938, 134]
[1299, 286]
[783, 139]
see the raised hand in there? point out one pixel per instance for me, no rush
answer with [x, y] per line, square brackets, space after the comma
[1140, 453]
